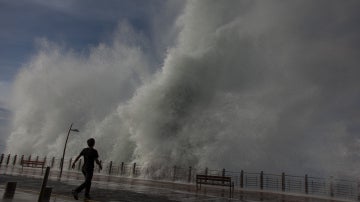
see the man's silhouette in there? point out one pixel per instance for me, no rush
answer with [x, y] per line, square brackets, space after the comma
[90, 156]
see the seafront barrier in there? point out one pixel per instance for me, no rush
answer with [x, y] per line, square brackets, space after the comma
[252, 181]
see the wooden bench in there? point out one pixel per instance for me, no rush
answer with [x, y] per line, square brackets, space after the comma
[214, 180]
[33, 164]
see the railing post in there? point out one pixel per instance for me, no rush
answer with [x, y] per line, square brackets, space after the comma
[174, 174]
[29, 158]
[262, 180]
[14, 161]
[283, 181]
[9, 190]
[134, 169]
[358, 189]
[223, 174]
[22, 159]
[189, 176]
[43, 186]
[36, 160]
[242, 179]
[47, 194]
[110, 167]
[1, 158]
[61, 164]
[122, 168]
[306, 184]
[70, 164]
[206, 173]
[44, 161]
[8, 160]
[52, 162]
[331, 186]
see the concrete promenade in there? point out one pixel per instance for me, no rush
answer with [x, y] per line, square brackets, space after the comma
[30, 196]
[130, 190]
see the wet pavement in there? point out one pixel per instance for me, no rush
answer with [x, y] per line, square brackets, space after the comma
[27, 188]
[30, 196]
[116, 188]
[62, 190]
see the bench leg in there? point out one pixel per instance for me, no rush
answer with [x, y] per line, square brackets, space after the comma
[231, 189]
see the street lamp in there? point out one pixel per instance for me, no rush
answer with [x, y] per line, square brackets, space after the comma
[62, 159]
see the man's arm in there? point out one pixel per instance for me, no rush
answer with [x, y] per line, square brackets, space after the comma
[99, 163]
[97, 160]
[77, 158]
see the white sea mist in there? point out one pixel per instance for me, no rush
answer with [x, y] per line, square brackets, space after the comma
[258, 85]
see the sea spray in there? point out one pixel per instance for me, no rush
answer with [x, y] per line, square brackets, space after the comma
[248, 85]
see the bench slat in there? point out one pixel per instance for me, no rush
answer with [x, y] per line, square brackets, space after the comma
[215, 180]
[210, 177]
[36, 164]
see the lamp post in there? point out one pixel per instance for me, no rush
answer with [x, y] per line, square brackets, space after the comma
[62, 159]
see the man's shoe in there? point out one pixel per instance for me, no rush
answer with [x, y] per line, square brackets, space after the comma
[75, 194]
[87, 197]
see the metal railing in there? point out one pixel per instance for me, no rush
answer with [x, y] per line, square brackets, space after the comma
[281, 183]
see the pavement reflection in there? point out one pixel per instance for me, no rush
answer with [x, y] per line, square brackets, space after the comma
[116, 188]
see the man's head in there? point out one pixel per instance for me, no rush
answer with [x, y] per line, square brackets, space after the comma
[91, 142]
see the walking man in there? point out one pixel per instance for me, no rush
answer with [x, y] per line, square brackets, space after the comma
[90, 156]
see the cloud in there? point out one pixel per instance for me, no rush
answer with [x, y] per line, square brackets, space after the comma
[112, 10]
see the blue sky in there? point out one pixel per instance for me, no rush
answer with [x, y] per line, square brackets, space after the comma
[77, 25]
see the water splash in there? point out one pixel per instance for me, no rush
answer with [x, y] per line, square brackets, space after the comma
[248, 85]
